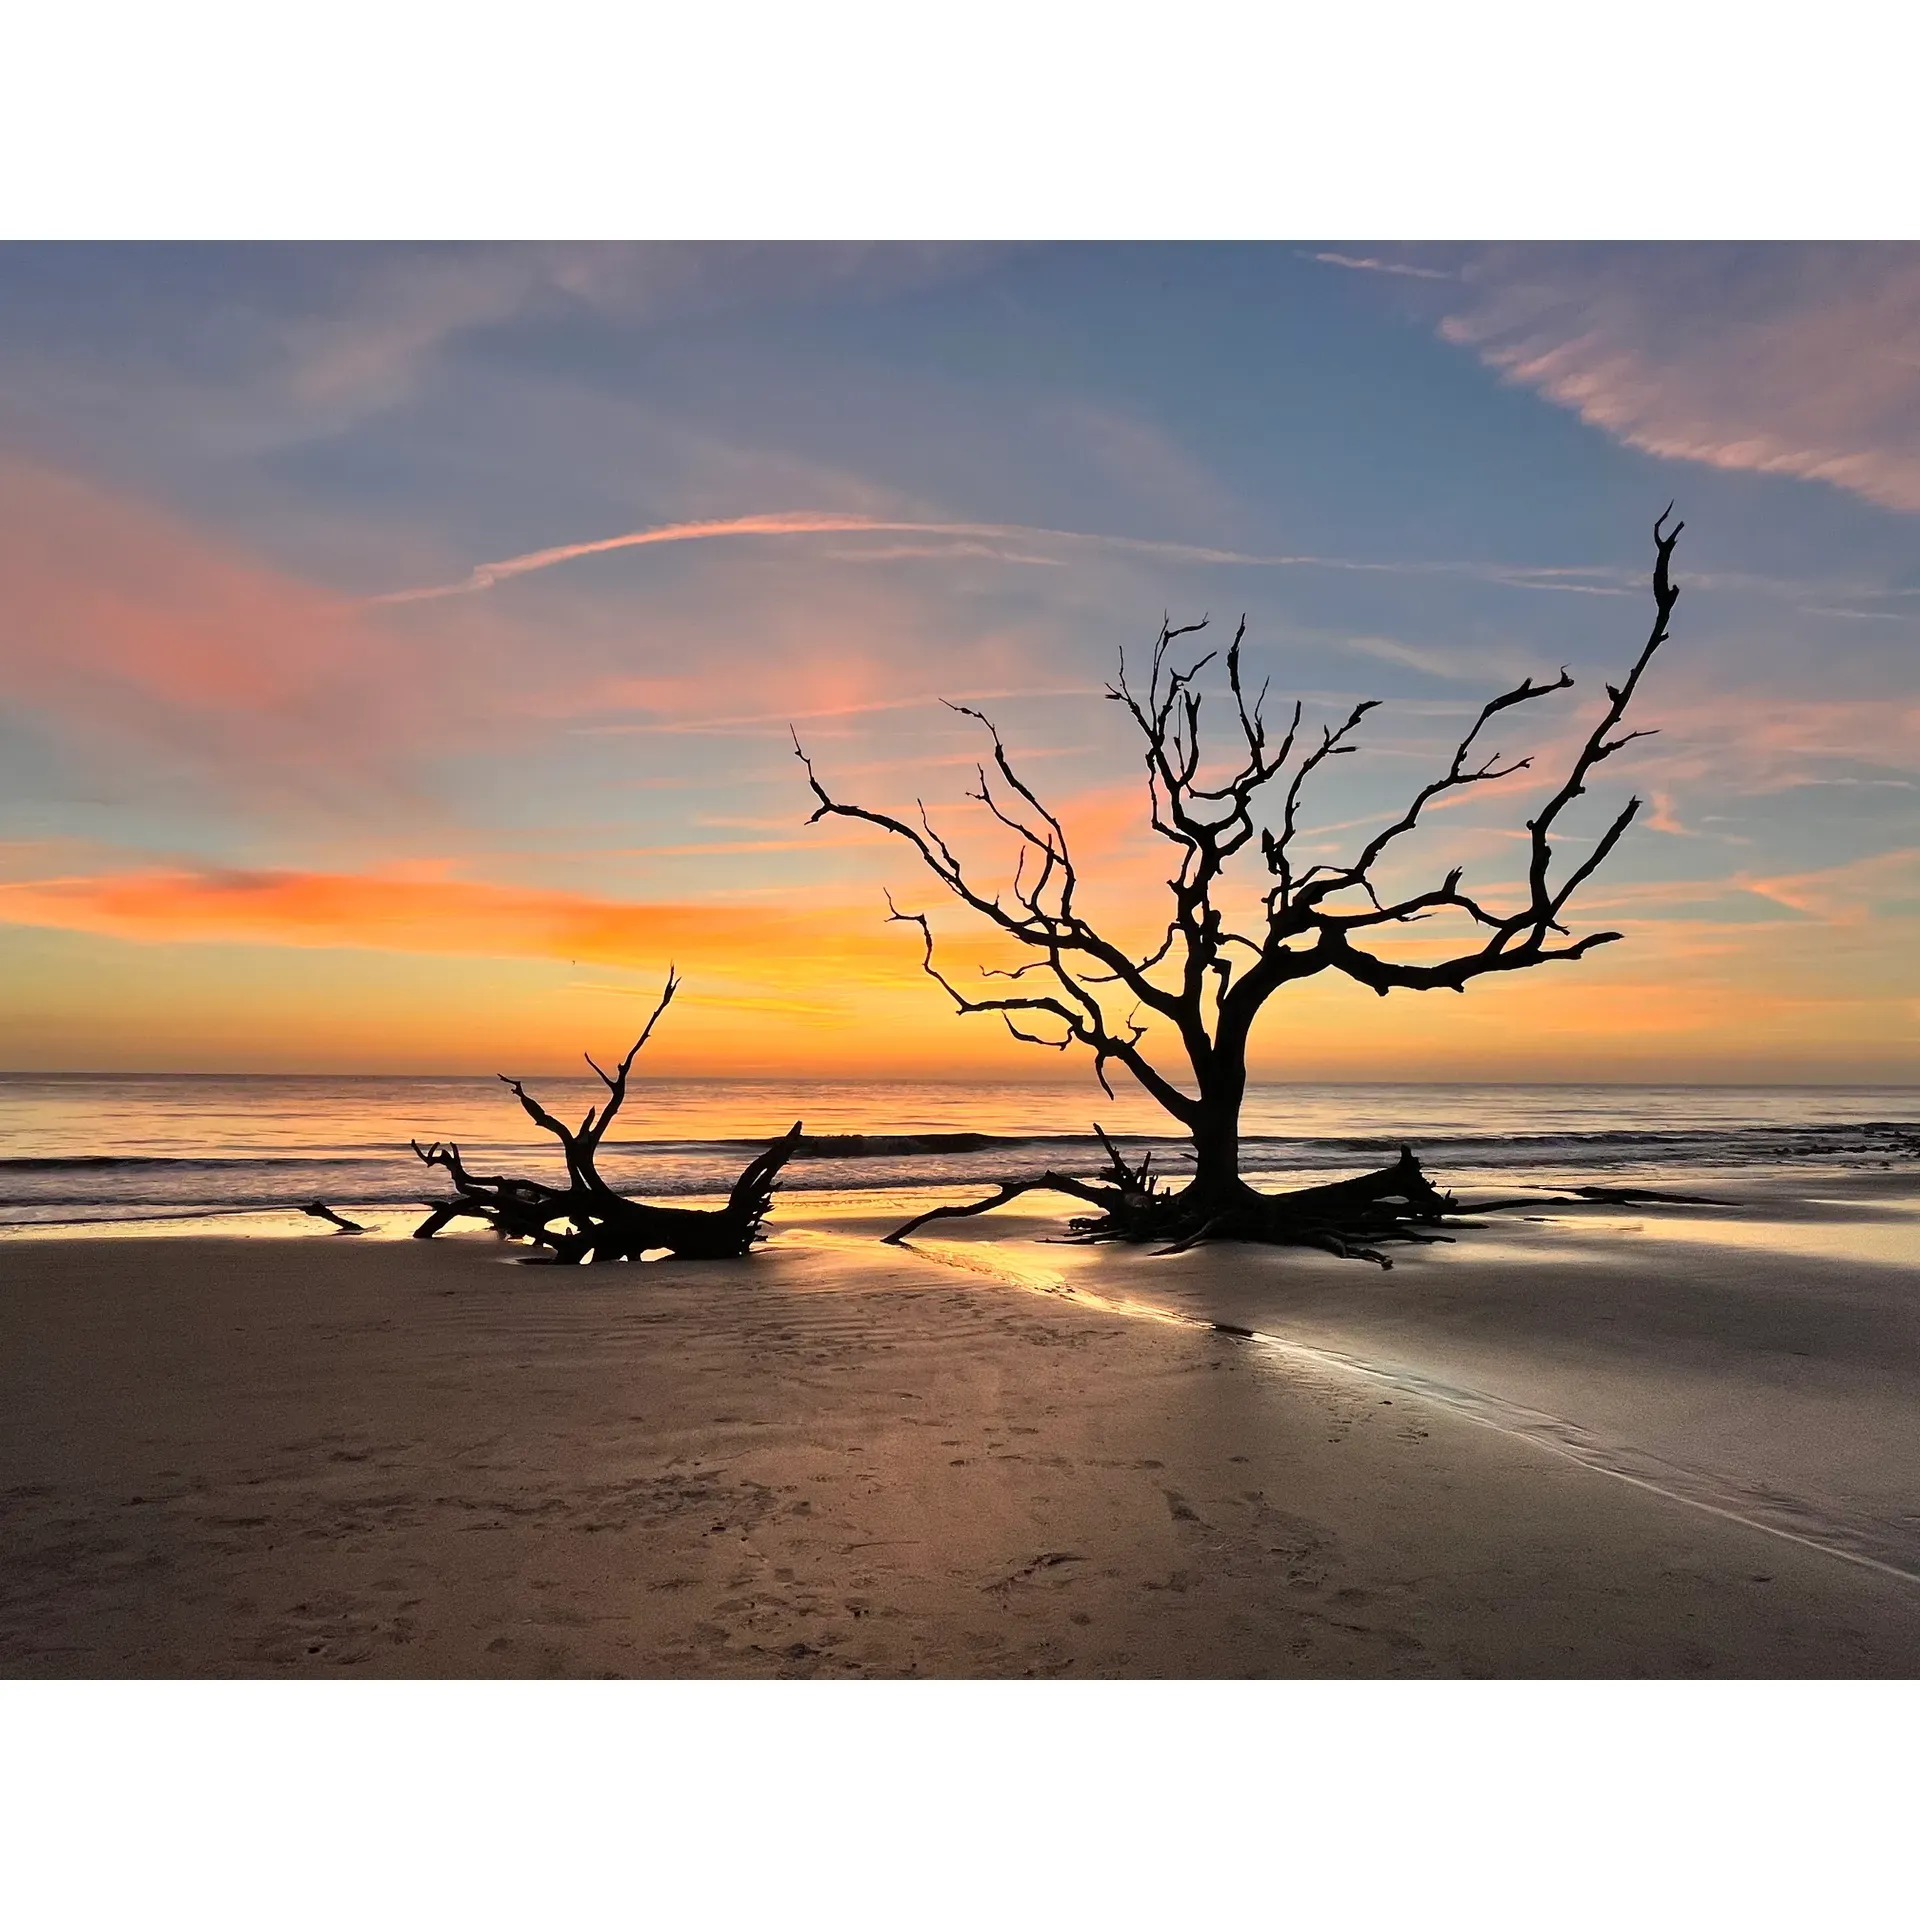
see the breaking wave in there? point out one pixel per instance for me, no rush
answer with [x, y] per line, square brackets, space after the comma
[380, 1171]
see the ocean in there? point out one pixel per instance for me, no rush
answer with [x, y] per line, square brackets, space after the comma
[97, 1149]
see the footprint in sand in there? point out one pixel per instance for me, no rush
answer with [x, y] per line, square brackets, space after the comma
[1182, 1513]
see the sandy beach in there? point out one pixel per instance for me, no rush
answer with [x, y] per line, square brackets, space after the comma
[992, 1458]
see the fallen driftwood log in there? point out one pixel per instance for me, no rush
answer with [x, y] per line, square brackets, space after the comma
[1351, 1219]
[586, 1220]
[321, 1211]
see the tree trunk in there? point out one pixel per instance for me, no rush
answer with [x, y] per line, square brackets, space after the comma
[1216, 1183]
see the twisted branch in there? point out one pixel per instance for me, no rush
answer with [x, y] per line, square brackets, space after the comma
[1205, 980]
[599, 1223]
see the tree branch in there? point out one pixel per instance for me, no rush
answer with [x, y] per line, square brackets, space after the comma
[1211, 1007]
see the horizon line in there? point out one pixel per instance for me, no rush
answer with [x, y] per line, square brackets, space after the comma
[930, 1080]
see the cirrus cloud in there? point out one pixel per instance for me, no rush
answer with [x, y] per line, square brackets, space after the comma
[1800, 360]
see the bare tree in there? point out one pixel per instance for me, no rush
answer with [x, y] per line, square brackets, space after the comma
[1208, 982]
[585, 1219]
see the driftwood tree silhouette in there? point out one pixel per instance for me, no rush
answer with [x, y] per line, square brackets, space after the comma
[586, 1220]
[1208, 982]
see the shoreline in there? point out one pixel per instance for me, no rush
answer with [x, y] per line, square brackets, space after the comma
[1750, 1187]
[152, 1147]
[318, 1455]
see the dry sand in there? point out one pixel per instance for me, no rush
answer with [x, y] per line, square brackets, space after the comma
[277, 1457]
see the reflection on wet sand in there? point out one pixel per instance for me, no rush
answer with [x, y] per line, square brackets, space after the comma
[1763, 1363]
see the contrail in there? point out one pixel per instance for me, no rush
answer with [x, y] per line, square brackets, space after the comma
[490, 573]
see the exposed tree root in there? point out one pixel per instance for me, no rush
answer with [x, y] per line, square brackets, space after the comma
[321, 1211]
[1350, 1219]
[586, 1220]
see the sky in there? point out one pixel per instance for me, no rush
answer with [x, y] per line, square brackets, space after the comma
[398, 645]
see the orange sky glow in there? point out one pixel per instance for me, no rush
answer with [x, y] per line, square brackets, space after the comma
[328, 744]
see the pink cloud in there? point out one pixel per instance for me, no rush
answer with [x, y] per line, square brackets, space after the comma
[1845, 895]
[1661, 817]
[1796, 360]
[125, 625]
[1752, 744]
[105, 592]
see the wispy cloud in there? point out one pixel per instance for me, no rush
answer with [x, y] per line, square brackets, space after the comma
[269, 345]
[1129, 453]
[401, 909]
[1796, 360]
[1367, 263]
[778, 723]
[1751, 744]
[123, 623]
[1849, 894]
[1661, 817]
[950, 550]
[1825, 896]
[1448, 663]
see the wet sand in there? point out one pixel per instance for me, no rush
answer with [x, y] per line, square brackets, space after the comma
[1762, 1356]
[314, 1456]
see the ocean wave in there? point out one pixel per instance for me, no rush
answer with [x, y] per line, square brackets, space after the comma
[873, 1146]
[1658, 1141]
[37, 1187]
